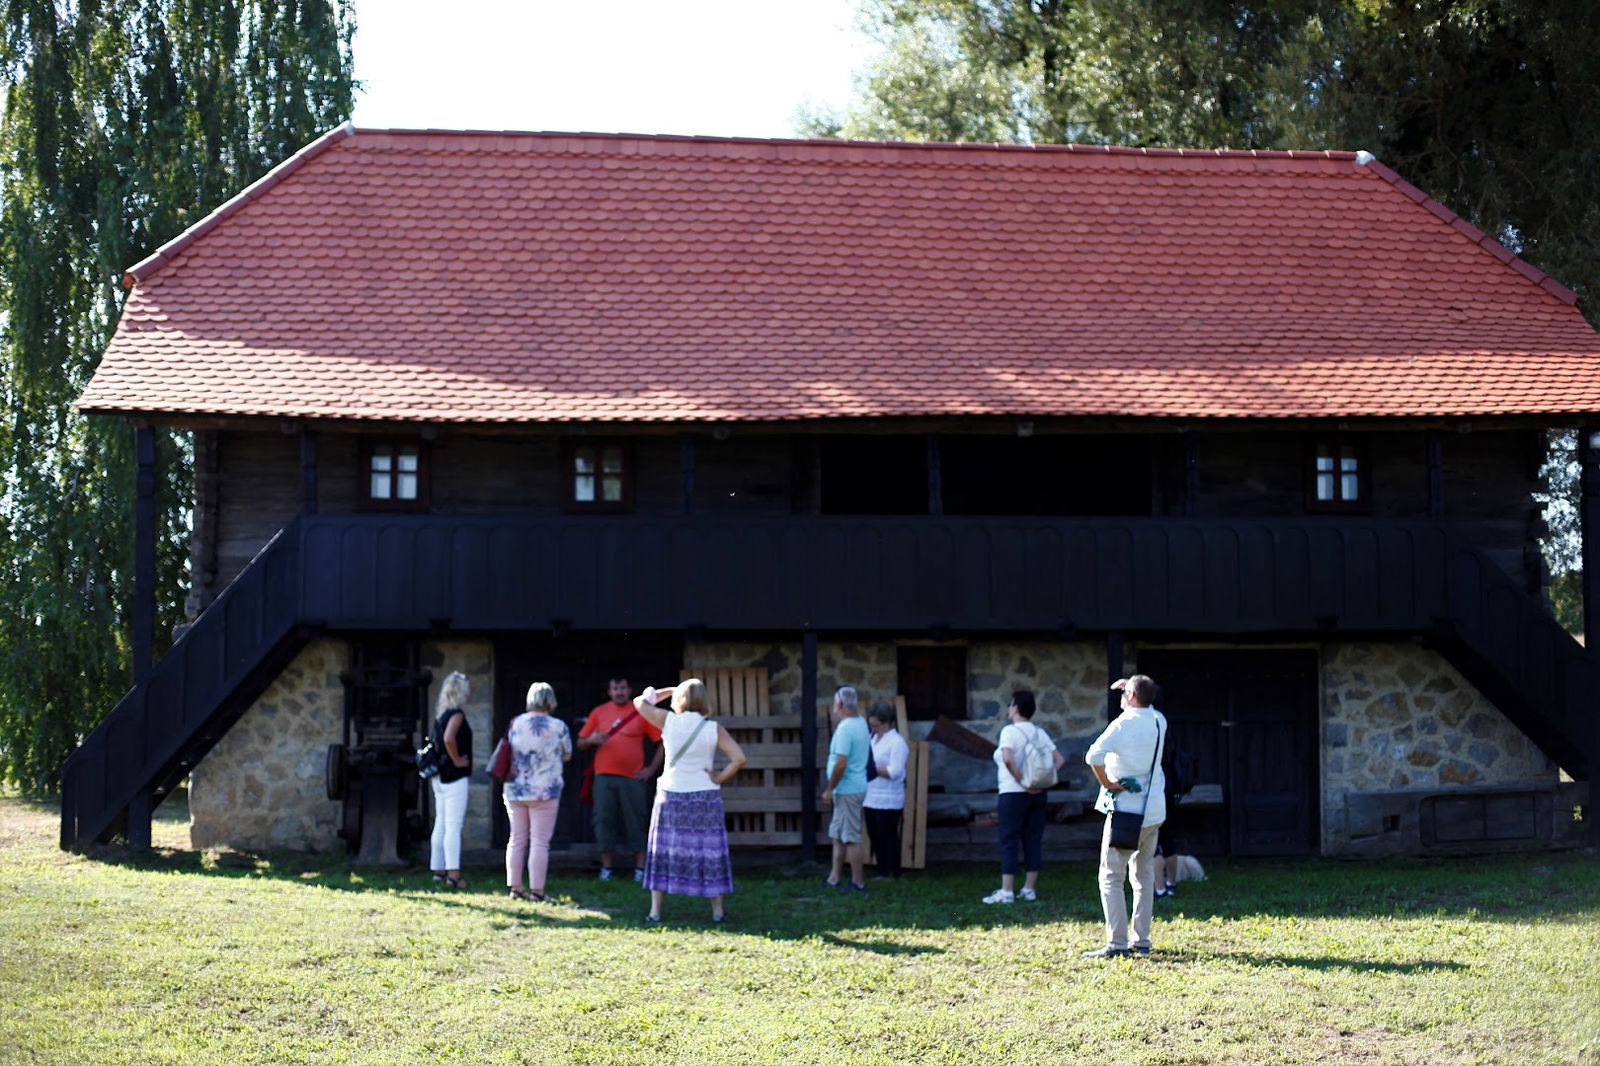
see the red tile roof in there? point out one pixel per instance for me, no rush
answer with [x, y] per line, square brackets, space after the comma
[478, 277]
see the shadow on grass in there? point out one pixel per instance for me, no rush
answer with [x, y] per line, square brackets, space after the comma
[1325, 963]
[787, 902]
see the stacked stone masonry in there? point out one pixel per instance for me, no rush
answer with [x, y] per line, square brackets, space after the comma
[1395, 718]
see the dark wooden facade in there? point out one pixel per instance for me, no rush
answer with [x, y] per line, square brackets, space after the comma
[250, 484]
[727, 532]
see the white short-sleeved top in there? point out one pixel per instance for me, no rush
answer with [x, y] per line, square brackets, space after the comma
[692, 771]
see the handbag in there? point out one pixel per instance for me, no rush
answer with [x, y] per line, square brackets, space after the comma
[500, 759]
[1127, 825]
[428, 761]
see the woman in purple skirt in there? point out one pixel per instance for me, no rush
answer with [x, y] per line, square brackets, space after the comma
[688, 850]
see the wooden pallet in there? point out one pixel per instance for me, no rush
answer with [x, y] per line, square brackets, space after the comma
[761, 804]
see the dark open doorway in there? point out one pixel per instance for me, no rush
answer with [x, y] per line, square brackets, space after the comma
[1250, 719]
[577, 665]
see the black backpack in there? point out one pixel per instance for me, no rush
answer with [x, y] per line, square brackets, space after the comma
[1181, 768]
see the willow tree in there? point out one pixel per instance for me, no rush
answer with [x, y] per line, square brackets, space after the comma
[124, 121]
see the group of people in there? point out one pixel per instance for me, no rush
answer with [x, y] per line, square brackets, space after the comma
[680, 843]
[683, 851]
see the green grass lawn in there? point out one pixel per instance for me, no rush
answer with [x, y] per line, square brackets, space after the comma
[185, 958]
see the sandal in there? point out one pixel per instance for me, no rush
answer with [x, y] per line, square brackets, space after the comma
[517, 893]
[455, 882]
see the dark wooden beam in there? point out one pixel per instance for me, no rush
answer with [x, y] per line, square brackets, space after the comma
[142, 804]
[144, 551]
[1589, 526]
[935, 476]
[808, 744]
[308, 470]
[1435, 443]
[686, 459]
[1191, 474]
[1114, 671]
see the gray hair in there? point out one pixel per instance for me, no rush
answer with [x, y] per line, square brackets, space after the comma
[454, 692]
[541, 697]
[882, 711]
[846, 697]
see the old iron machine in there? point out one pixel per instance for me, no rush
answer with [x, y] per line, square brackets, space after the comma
[373, 773]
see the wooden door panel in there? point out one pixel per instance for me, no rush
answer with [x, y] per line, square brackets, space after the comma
[1249, 718]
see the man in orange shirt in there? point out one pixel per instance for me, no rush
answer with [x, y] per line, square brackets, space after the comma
[621, 792]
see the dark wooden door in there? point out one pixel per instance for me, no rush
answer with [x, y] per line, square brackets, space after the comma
[578, 667]
[1249, 717]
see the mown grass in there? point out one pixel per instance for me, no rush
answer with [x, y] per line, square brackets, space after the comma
[196, 959]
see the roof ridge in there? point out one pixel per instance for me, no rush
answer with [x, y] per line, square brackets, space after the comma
[1468, 230]
[145, 268]
[846, 143]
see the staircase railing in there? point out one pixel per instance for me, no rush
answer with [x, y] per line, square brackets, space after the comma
[163, 726]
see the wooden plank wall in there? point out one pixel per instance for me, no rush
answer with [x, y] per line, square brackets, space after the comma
[762, 804]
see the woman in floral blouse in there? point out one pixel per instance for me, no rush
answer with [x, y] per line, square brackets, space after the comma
[540, 745]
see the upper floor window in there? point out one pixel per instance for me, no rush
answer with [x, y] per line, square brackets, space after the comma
[1338, 477]
[598, 476]
[394, 476]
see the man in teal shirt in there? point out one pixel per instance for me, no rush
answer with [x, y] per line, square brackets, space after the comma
[847, 788]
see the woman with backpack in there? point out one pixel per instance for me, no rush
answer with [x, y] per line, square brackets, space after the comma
[1027, 762]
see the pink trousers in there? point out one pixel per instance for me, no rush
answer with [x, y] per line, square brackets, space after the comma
[532, 822]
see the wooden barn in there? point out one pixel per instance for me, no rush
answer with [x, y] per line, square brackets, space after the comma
[940, 421]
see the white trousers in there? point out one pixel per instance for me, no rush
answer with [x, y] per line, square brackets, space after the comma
[449, 815]
[1114, 866]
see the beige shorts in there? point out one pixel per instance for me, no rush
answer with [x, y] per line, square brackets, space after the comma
[845, 826]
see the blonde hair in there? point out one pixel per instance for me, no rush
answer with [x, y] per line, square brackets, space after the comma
[454, 692]
[541, 697]
[690, 695]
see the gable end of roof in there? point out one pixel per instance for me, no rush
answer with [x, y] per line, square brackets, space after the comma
[147, 267]
[1469, 231]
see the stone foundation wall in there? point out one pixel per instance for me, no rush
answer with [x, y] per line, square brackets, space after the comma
[263, 785]
[1398, 719]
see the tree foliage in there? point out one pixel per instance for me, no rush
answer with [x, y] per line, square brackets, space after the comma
[1491, 106]
[124, 122]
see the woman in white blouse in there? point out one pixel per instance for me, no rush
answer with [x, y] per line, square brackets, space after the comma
[687, 853]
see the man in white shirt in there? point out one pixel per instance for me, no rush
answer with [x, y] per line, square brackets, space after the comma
[886, 793]
[1129, 753]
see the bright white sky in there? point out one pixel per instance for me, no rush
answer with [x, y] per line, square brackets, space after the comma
[718, 67]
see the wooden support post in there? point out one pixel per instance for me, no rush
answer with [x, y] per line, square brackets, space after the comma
[935, 477]
[1435, 474]
[308, 470]
[1114, 668]
[1589, 527]
[1191, 474]
[140, 808]
[808, 744]
[686, 465]
[144, 552]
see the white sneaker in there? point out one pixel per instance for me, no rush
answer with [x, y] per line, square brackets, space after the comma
[1000, 895]
[1028, 894]
[638, 875]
